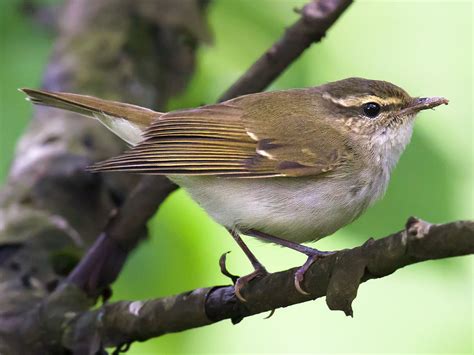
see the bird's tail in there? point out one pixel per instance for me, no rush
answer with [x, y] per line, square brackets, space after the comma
[125, 120]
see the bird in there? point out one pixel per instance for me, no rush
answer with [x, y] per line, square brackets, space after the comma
[287, 167]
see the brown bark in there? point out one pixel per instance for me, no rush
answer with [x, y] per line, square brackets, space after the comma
[337, 277]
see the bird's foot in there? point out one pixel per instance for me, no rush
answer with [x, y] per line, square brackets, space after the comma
[240, 282]
[244, 280]
[313, 256]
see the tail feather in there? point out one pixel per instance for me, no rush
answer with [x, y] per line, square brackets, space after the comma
[125, 120]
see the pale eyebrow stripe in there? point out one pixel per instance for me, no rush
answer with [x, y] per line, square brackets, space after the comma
[351, 101]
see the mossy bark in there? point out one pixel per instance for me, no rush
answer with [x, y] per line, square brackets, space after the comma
[51, 209]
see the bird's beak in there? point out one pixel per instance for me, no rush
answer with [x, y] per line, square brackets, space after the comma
[424, 103]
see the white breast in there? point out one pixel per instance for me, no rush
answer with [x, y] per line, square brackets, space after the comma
[297, 209]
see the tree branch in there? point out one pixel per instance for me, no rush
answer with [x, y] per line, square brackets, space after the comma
[103, 262]
[316, 18]
[337, 277]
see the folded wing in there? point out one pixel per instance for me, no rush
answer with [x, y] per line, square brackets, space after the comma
[231, 140]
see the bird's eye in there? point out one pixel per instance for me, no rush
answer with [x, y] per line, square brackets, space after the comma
[371, 109]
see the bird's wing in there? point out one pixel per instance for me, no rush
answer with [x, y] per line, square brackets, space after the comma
[232, 140]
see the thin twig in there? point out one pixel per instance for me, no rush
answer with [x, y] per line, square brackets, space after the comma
[316, 18]
[103, 262]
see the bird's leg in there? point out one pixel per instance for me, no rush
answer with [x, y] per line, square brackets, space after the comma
[259, 269]
[313, 254]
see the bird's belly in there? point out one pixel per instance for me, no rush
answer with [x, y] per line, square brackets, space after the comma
[296, 209]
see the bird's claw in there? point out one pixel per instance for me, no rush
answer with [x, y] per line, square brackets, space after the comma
[224, 271]
[240, 282]
[244, 280]
[299, 274]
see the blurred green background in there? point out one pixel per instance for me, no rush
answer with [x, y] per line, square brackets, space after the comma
[425, 47]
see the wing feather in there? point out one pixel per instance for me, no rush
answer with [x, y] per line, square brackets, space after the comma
[232, 140]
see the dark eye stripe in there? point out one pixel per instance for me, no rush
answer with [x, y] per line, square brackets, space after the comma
[385, 107]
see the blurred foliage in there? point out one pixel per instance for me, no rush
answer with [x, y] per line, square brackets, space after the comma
[424, 46]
